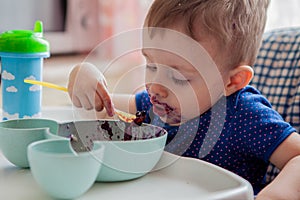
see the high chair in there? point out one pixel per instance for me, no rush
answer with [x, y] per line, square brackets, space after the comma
[277, 76]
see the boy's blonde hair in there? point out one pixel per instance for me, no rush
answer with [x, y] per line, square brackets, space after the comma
[236, 25]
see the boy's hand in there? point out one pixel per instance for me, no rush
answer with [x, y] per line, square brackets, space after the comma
[87, 88]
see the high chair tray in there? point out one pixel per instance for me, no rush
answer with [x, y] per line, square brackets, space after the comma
[173, 178]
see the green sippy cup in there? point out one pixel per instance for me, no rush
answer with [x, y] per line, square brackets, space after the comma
[22, 53]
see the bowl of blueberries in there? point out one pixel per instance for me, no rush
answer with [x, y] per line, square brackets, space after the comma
[119, 150]
[132, 149]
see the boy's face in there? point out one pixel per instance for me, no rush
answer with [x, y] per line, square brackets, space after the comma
[177, 91]
[182, 83]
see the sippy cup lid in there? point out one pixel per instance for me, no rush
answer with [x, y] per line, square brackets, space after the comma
[24, 41]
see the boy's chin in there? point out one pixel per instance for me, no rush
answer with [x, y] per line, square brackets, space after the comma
[171, 121]
[176, 121]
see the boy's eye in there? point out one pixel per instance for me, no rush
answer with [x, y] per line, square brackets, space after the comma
[178, 78]
[151, 67]
[180, 81]
[174, 75]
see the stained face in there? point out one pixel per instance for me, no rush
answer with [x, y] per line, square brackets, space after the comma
[182, 80]
[176, 89]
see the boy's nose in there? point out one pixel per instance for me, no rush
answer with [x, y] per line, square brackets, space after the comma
[157, 90]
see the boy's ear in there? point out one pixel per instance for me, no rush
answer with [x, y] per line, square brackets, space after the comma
[239, 77]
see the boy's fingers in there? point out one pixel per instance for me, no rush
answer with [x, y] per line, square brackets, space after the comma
[106, 99]
[98, 103]
[76, 101]
[85, 102]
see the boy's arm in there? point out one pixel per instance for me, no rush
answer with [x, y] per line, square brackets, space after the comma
[287, 184]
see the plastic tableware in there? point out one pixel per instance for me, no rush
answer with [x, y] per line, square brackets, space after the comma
[22, 53]
[131, 151]
[16, 135]
[60, 172]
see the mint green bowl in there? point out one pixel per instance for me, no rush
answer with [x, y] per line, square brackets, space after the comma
[127, 160]
[61, 172]
[16, 135]
[126, 156]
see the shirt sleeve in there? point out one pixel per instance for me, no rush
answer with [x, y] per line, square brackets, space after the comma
[257, 128]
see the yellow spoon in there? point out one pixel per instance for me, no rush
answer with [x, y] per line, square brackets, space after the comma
[124, 116]
[46, 84]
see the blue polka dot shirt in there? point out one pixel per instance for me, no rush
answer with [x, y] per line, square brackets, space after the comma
[239, 133]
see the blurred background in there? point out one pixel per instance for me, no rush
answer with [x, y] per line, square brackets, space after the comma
[82, 30]
[74, 26]
[77, 26]
[283, 14]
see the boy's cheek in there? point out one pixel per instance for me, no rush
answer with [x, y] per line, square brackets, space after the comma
[196, 102]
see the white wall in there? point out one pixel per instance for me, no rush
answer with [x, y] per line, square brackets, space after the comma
[283, 13]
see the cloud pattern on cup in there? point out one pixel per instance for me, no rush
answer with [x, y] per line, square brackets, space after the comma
[12, 88]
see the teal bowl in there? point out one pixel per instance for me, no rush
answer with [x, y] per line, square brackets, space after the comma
[130, 151]
[16, 135]
[61, 172]
[127, 160]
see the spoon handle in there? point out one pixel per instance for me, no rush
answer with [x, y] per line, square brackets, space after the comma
[46, 84]
[126, 117]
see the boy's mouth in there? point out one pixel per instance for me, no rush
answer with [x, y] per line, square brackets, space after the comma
[164, 111]
[161, 109]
